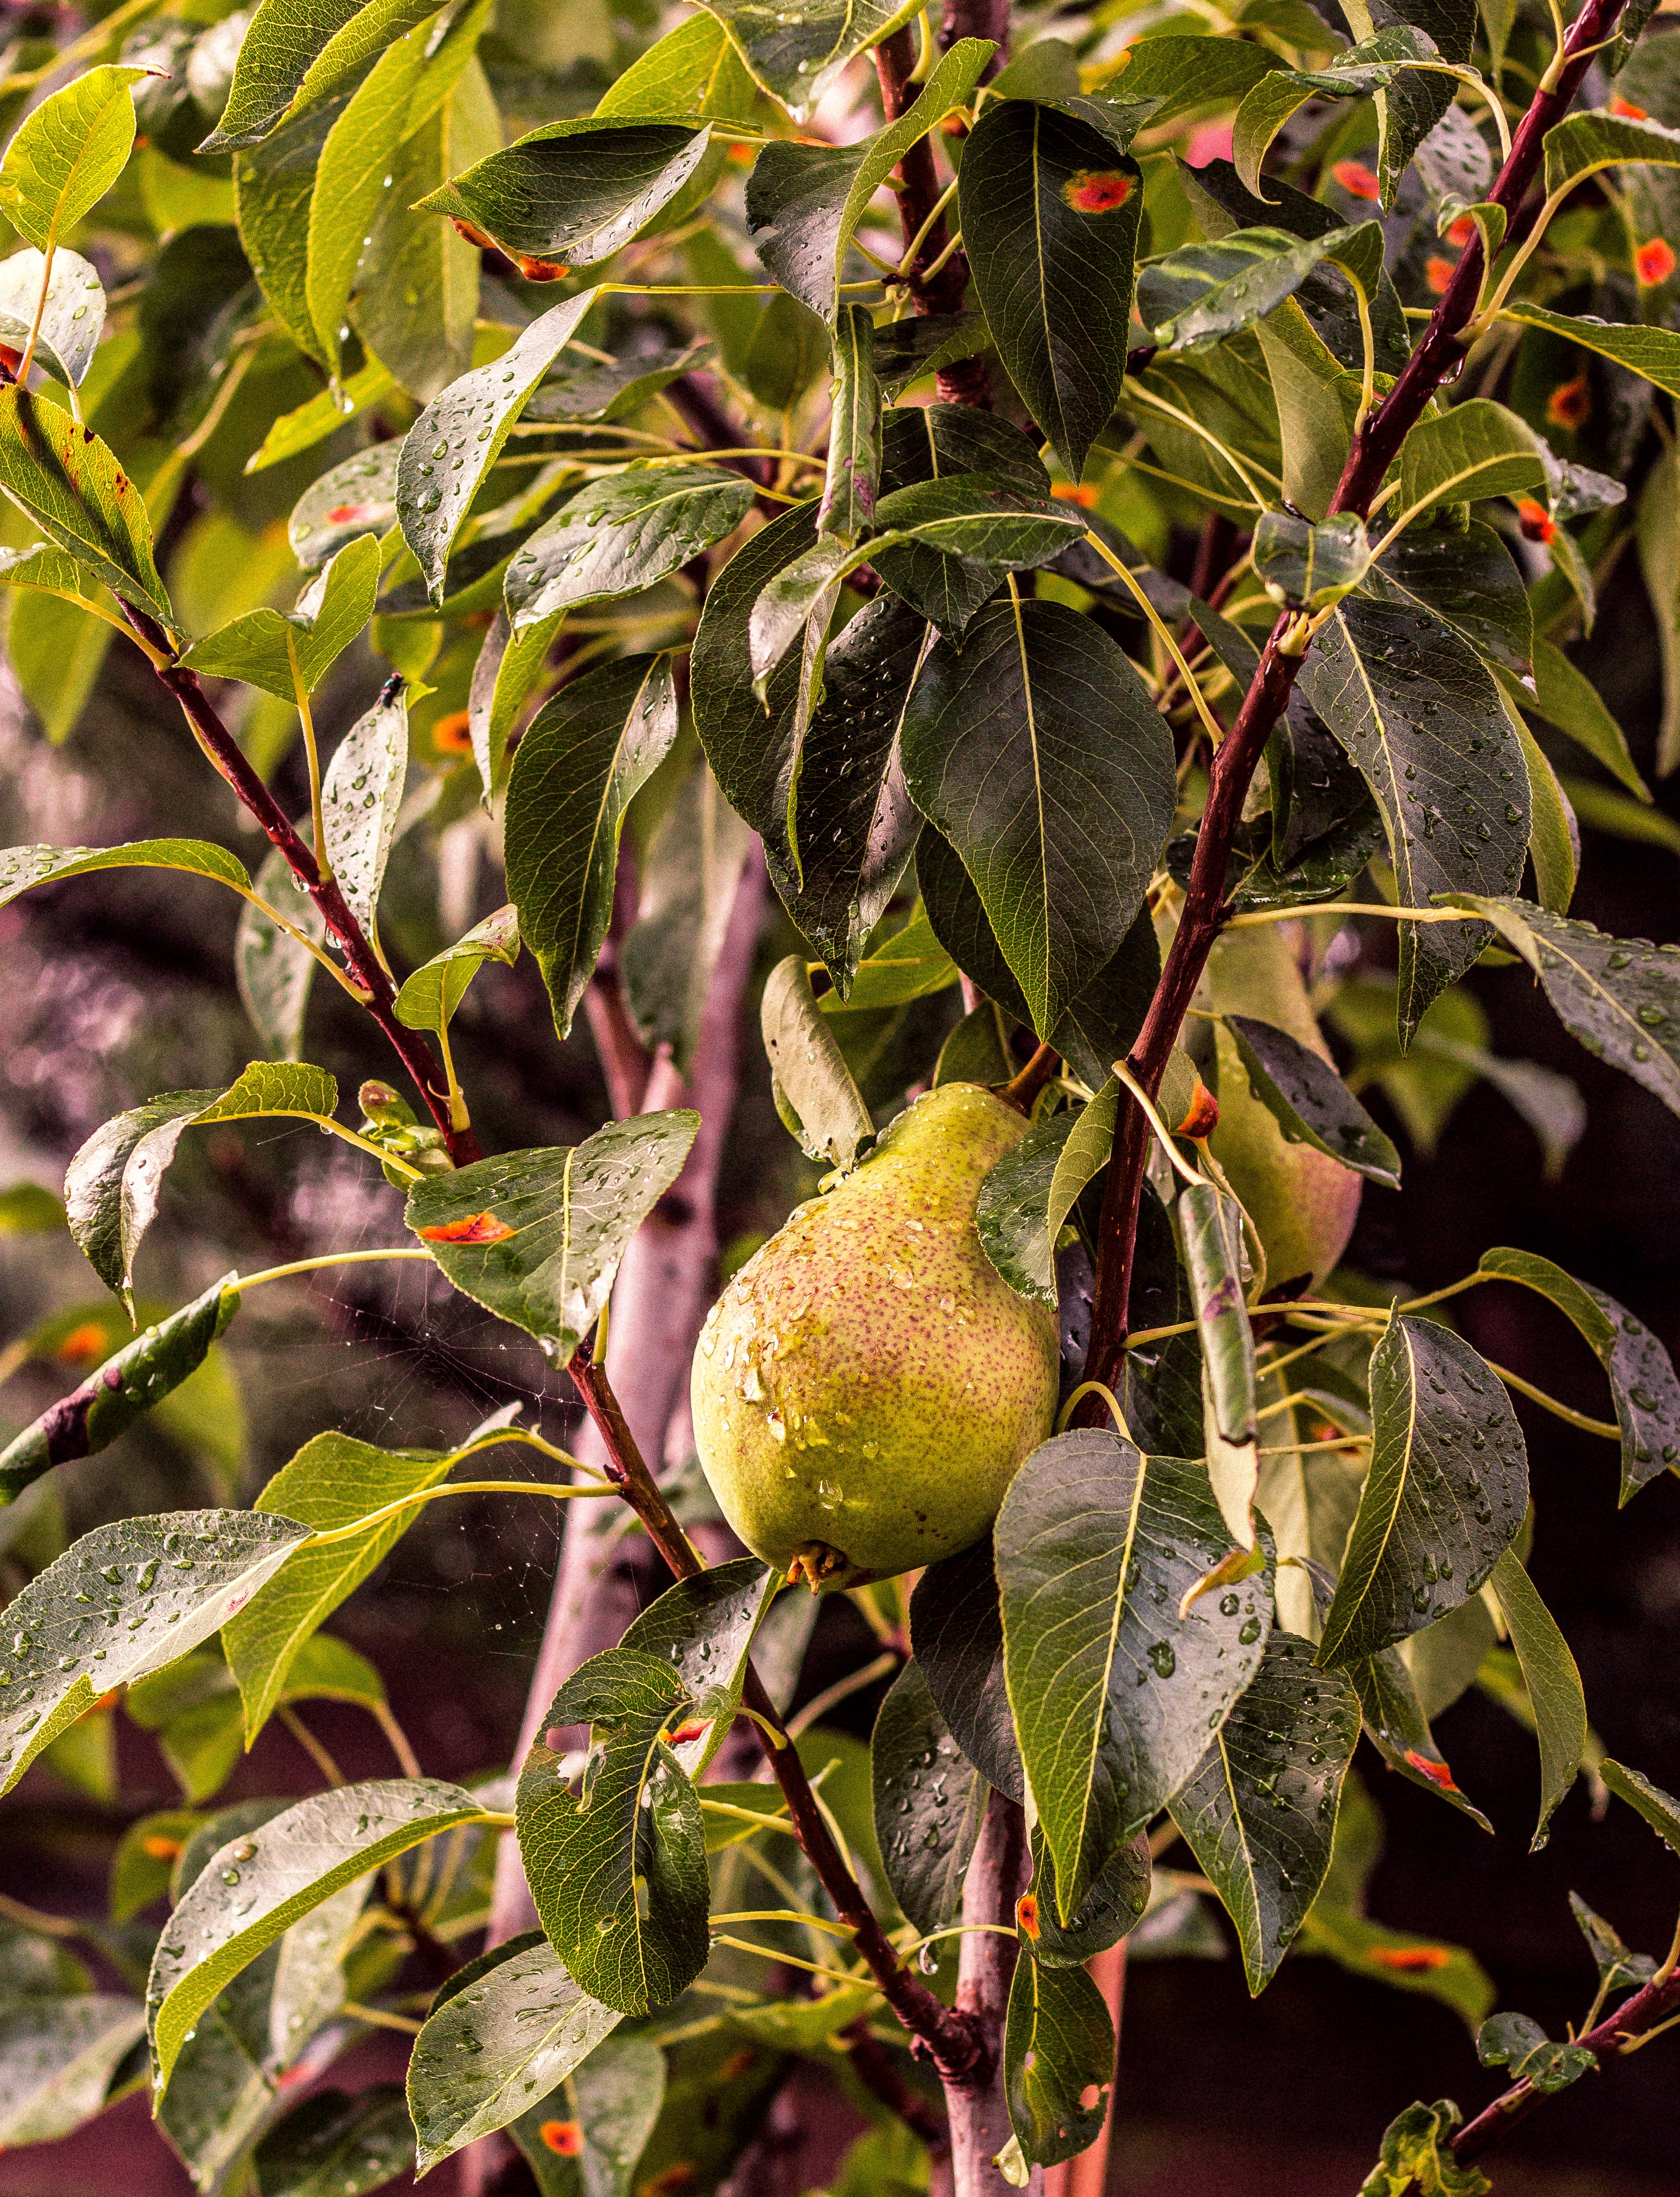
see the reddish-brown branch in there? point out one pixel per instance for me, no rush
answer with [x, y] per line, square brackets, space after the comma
[950, 2039]
[1436, 360]
[364, 966]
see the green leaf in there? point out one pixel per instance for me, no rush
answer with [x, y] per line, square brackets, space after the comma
[619, 1876]
[1517, 2041]
[332, 1481]
[1651, 351]
[1037, 752]
[797, 54]
[688, 877]
[853, 474]
[1306, 564]
[1419, 713]
[1204, 292]
[1641, 1373]
[1618, 1967]
[1049, 207]
[331, 2145]
[113, 1186]
[1659, 1809]
[1260, 1813]
[21, 867]
[1554, 835]
[1375, 65]
[146, 1855]
[591, 391]
[358, 496]
[1477, 449]
[1553, 1686]
[1566, 697]
[535, 1237]
[956, 1624]
[178, 1577]
[816, 1094]
[1310, 1102]
[57, 2059]
[929, 1803]
[1184, 74]
[1012, 1212]
[1446, 1494]
[273, 188]
[72, 318]
[68, 481]
[621, 533]
[255, 1888]
[1113, 1690]
[505, 674]
[274, 649]
[1084, 1155]
[504, 2031]
[428, 998]
[472, 419]
[1581, 144]
[1619, 997]
[1212, 1225]
[1059, 2047]
[1398, 1728]
[703, 1628]
[1416, 2152]
[694, 70]
[296, 53]
[610, 2106]
[274, 971]
[583, 758]
[28, 1209]
[907, 349]
[350, 181]
[126, 1386]
[1112, 1907]
[571, 194]
[361, 792]
[68, 154]
[804, 202]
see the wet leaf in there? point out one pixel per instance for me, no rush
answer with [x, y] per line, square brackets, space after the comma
[585, 2138]
[1259, 1812]
[1183, 74]
[1204, 292]
[929, 1803]
[1059, 2047]
[1307, 564]
[1581, 144]
[1112, 1907]
[1554, 1685]
[333, 2145]
[619, 1876]
[596, 392]
[956, 1627]
[621, 533]
[294, 54]
[853, 474]
[1659, 1809]
[1517, 2041]
[254, 1889]
[177, 1579]
[1446, 1494]
[535, 1237]
[1376, 64]
[797, 54]
[815, 1092]
[1013, 1212]
[1114, 1691]
[1309, 1101]
[72, 319]
[362, 795]
[1477, 449]
[1212, 1225]
[703, 1628]
[358, 496]
[125, 1388]
[1417, 2150]
[274, 972]
[57, 2057]
[1619, 1967]
[583, 758]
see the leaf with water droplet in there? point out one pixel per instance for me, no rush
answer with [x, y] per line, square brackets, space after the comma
[929, 1800]
[1058, 2049]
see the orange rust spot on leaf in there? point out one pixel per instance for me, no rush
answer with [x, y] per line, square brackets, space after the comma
[1204, 1115]
[159, 1848]
[105, 1702]
[540, 270]
[736, 2064]
[452, 735]
[1627, 110]
[347, 515]
[1653, 263]
[1027, 1916]
[566, 2137]
[1096, 190]
[1571, 403]
[1462, 231]
[1357, 180]
[1538, 522]
[474, 235]
[1437, 273]
[692, 1730]
[476, 1228]
[1436, 1773]
[82, 1343]
[1410, 1959]
[1083, 493]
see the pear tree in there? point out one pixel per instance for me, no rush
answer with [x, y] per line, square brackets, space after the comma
[1033, 558]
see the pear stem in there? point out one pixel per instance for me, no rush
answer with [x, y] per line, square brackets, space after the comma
[1022, 1089]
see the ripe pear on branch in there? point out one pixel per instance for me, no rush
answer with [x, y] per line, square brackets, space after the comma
[867, 1385]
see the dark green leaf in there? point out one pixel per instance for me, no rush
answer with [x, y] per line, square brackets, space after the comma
[750, 753]
[906, 350]
[333, 2145]
[70, 483]
[1038, 752]
[1419, 713]
[1378, 63]
[1554, 1685]
[126, 1386]
[1112, 1907]
[701, 1628]
[1445, 1495]
[619, 1876]
[470, 420]
[687, 881]
[1472, 580]
[1260, 1813]
[815, 1092]
[255, 1888]
[1642, 1382]
[1097, 1548]
[1619, 997]
[585, 2138]
[1659, 1809]
[1012, 1212]
[620, 534]
[300, 53]
[1301, 563]
[1059, 2047]
[596, 392]
[1581, 144]
[501, 2033]
[583, 757]
[796, 54]
[1184, 74]
[1309, 1101]
[1477, 449]
[573, 192]
[181, 1576]
[929, 1803]
[1202, 293]
[1517, 2041]
[1049, 207]
[1397, 1727]
[535, 1237]
[57, 2058]
[1619, 1968]
[928, 442]
[956, 1627]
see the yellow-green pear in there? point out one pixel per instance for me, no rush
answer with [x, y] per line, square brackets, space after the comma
[1302, 1203]
[866, 1385]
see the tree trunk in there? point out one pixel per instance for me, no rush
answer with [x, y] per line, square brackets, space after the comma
[978, 2111]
